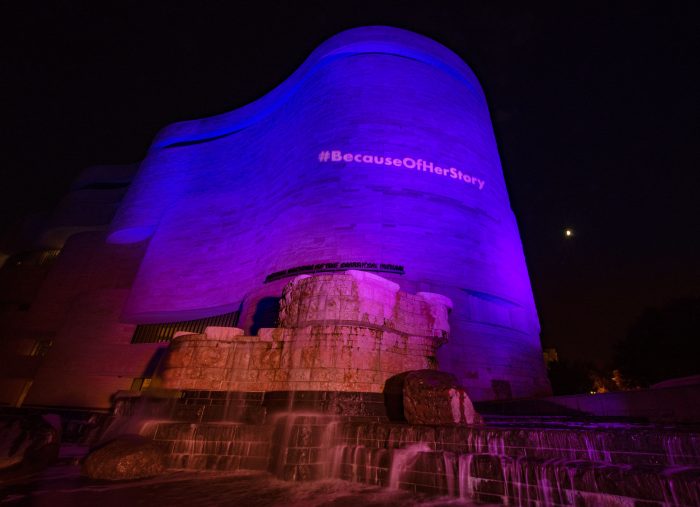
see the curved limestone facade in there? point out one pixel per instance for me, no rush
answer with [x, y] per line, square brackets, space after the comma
[377, 153]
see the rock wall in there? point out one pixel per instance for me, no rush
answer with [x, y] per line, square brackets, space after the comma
[339, 332]
[363, 298]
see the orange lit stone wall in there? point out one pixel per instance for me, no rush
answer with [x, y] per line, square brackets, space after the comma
[340, 332]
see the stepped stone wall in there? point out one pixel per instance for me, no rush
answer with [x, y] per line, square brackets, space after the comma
[585, 465]
[349, 331]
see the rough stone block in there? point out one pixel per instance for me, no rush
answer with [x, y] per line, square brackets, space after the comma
[348, 330]
[432, 397]
[222, 333]
[128, 457]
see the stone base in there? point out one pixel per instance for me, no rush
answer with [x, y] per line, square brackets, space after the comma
[314, 358]
[337, 332]
[250, 407]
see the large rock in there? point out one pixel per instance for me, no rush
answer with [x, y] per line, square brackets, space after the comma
[435, 397]
[28, 443]
[365, 299]
[126, 457]
[347, 332]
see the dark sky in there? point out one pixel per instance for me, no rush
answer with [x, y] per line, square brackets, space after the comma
[594, 105]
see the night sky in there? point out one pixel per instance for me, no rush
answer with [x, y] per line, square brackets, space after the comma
[594, 106]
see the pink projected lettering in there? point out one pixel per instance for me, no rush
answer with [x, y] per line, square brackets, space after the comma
[407, 162]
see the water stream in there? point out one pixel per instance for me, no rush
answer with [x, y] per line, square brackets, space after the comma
[507, 462]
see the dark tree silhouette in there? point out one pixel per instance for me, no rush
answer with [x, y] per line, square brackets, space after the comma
[569, 377]
[662, 343]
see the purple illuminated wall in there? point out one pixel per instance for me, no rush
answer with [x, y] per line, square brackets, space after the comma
[225, 201]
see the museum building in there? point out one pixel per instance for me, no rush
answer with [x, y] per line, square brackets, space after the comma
[376, 155]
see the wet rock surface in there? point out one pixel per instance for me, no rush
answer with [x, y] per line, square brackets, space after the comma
[127, 457]
[28, 444]
[341, 332]
[434, 397]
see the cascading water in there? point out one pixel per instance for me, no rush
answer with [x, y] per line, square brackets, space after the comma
[449, 459]
[466, 481]
[403, 461]
[504, 462]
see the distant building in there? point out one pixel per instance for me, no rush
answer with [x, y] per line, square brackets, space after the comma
[377, 154]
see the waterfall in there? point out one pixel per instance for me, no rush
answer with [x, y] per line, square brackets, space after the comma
[512, 464]
[467, 481]
[402, 461]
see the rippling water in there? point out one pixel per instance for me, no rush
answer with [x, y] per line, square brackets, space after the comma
[63, 486]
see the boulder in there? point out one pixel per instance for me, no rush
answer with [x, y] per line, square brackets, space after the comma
[124, 458]
[435, 397]
[28, 444]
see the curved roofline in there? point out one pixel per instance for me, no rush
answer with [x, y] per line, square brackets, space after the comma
[364, 40]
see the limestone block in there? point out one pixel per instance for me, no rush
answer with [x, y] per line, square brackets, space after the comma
[289, 305]
[213, 374]
[364, 298]
[265, 357]
[250, 375]
[210, 356]
[222, 333]
[299, 374]
[241, 358]
[433, 397]
[266, 334]
[267, 376]
[281, 379]
[439, 307]
[348, 331]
